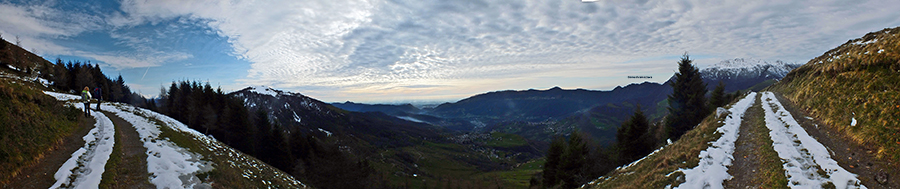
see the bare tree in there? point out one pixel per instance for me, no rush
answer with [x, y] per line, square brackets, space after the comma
[18, 41]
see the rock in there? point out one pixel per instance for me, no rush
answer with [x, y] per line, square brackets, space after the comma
[881, 177]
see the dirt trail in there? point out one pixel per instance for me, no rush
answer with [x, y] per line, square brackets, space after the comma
[128, 169]
[855, 158]
[40, 174]
[745, 167]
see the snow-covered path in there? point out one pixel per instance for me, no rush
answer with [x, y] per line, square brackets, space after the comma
[712, 170]
[170, 166]
[807, 163]
[86, 166]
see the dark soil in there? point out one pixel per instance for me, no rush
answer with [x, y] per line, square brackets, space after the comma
[744, 168]
[856, 158]
[129, 170]
[40, 174]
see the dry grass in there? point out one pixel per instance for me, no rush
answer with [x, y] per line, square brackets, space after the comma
[656, 171]
[857, 80]
[31, 123]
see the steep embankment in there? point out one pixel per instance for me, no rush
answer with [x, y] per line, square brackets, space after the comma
[31, 125]
[713, 139]
[855, 90]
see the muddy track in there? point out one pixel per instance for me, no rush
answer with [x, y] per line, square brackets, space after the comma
[858, 159]
[40, 174]
[755, 161]
[745, 167]
[129, 169]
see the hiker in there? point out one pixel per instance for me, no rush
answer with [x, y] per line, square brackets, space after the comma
[99, 95]
[86, 97]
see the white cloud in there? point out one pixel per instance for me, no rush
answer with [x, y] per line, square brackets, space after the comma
[347, 45]
[46, 29]
[384, 44]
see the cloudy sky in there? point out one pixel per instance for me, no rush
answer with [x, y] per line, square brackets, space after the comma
[427, 50]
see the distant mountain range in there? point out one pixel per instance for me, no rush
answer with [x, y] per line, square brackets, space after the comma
[745, 73]
[298, 113]
[539, 114]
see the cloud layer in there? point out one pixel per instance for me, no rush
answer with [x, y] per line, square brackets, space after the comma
[380, 49]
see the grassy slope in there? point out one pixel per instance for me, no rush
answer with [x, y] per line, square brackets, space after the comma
[32, 123]
[489, 162]
[653, 172]
[854, 81]
[232, 169]
[658, 170]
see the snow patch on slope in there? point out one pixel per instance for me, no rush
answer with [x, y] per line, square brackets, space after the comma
[170, 165]
[407, 118]
[802, 155]
[264, 90]
[327, 133]
[712, 170]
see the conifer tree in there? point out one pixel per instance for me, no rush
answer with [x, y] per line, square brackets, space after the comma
[687, 103]
[634, 137]
[554, 156]
[717, 98]
[574, 160]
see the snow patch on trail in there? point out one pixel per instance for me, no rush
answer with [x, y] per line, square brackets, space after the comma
[87, 164]
[170, 166]
[250, 167]
[712, 170]
[802, 155]
[62, 96]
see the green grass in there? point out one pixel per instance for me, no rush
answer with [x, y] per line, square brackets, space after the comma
[519, 177]
[762, 85]
[33, 123]
[115, 158]
[861, 84]
[771, 171]
[506, 140]
[451, 165]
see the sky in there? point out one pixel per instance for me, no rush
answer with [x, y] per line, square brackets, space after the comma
[391, 51]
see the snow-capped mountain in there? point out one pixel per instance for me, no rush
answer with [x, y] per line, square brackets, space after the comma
[744, 73]
[295, 112]
[292, 110]
[748, 68]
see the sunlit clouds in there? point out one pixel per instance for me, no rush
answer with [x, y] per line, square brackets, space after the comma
[387, 51]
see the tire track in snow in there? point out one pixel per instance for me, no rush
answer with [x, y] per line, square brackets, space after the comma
[712, 170]
[807, 163]
[87, 164]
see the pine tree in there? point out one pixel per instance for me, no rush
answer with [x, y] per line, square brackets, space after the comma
[717, 98]
[574, 160]
[554, 158]
[634, 137]
[687, 104]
